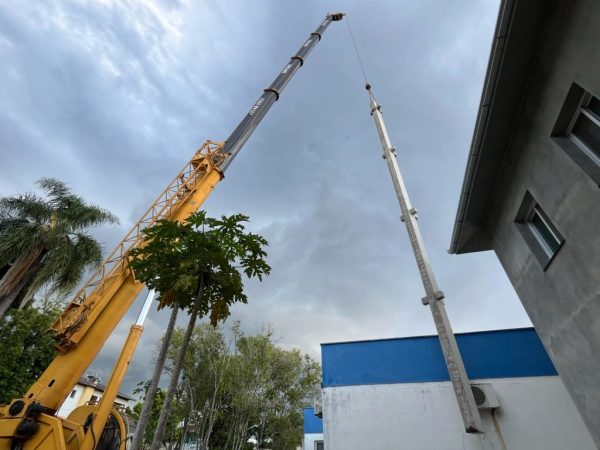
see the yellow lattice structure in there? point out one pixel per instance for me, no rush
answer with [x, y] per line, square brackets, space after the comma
[110, 275]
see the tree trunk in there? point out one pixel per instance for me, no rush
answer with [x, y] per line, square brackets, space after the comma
[142, 424]
[19, 276]
[164, 414]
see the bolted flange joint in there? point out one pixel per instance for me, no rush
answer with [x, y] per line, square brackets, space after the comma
[437, 295]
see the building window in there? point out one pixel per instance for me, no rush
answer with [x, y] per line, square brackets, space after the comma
[577, 130]
[543, 231]
[539, 232]
[319, 445]
[585, 127]
[73, 392]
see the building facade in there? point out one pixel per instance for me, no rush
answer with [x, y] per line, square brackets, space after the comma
[396, 393]
[313, 431]
[89, 390]
[531, 189]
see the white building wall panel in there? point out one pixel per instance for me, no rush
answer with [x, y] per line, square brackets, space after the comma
[310, 439]
[535, 413]
[70, 402]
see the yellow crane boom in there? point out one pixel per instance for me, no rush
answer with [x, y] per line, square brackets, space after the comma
[90, 318]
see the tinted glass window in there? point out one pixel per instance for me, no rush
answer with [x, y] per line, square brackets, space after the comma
[548, 238]
[588, 132]
[594, 107]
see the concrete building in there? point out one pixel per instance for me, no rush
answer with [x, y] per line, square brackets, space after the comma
[313, 431]
[89, 390]
[396, 393]
[530, 191]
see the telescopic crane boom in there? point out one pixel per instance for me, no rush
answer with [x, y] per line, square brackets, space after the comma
[90, 318]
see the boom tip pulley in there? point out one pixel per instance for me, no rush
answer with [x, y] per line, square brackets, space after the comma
[335, 17]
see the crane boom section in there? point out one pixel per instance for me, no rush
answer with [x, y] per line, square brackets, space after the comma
[270, 95]
[88, 321]
[97, 308]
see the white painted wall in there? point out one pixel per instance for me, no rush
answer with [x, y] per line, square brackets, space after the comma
[310, 438]
[536, 413]
[70, 403]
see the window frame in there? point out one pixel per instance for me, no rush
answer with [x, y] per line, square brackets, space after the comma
[582, 109]
[535, 240]
[579, 152]
[317, 444]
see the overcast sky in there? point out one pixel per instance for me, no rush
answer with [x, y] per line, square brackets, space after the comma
[114, 97]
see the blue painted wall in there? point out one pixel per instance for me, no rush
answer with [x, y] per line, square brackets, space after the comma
[312, 423]
[487, 354]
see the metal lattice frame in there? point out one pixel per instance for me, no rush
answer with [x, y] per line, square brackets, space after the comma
[208, 157]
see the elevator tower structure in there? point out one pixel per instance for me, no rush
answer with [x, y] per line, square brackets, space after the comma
[434, 297]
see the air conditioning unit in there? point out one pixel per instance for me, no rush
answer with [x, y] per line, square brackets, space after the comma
[485, 397]
[318, 408]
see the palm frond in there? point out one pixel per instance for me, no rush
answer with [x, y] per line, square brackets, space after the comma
[56, 224]
[80, 216]
[8, 223]
[27, 206]
[71, 210]
[19, 241]
[65, 264]
[55, 189]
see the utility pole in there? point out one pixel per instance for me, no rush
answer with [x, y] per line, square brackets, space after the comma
[434, 297]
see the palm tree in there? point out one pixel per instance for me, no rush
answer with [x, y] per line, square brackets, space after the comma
[43, 242]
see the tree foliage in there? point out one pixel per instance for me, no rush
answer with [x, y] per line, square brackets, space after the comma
[242, 388]
[197, 265]
[44, 241]
[157, 406]
[26, 348]
[177, 257]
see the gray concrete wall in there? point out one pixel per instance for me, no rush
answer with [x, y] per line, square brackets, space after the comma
[564, 301]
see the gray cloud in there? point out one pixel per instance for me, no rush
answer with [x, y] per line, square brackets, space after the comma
[114, 97]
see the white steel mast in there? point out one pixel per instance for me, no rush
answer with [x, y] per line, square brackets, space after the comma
[434, 297]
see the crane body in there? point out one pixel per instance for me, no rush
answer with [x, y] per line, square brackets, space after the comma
[434, 297]
[90, 318]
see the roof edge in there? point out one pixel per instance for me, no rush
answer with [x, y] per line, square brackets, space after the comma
[489, 86]
[428, 336]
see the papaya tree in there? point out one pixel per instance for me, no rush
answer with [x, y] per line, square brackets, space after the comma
[197, 266]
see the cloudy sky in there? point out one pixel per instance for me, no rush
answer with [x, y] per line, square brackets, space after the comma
[114, 96]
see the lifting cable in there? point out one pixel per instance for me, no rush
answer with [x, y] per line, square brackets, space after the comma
[360, 62]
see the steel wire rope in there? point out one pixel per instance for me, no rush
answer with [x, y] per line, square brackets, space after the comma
[358, 57]
[360, 62]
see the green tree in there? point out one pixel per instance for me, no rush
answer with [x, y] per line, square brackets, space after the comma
[238, 387]
[147, 409]
[197, 266]
[204, 376]
[157, 406]
[159, 399]
[269, 387]
[26, 348]
[44, 241]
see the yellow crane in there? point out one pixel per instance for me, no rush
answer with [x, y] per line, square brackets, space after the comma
[90, 318]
